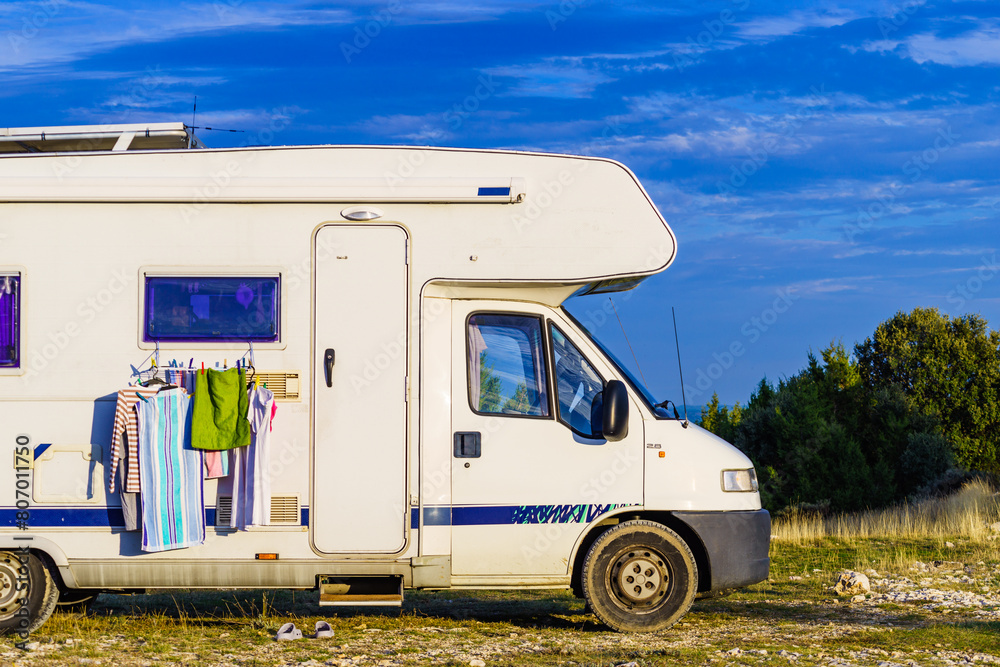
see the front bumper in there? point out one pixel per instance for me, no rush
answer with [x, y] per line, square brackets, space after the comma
[737, 545]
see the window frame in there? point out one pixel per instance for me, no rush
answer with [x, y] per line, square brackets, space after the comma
[543, 360]
[212, 272]
[17, 368]
[555, 384]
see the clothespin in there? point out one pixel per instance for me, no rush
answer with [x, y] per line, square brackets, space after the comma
[203, 368]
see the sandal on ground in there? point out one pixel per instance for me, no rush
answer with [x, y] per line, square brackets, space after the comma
[287, 632]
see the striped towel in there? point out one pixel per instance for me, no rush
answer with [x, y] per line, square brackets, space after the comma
[173, 504]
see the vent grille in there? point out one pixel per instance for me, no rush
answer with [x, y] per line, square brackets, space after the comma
[223, 510]
[285, 510]
[284, 384]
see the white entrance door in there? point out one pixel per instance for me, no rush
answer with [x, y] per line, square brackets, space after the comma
[359, 390]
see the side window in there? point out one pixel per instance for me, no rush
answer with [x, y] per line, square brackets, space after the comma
[10, 321]
[212, 308]
[507, 365]
[578, 387]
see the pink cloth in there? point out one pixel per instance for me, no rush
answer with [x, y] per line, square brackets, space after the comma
[216, 464]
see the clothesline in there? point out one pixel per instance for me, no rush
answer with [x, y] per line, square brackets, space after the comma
[245, 361]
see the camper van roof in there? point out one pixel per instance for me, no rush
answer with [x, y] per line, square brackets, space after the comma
[75, 138]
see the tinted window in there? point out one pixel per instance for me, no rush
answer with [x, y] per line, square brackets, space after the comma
[215, 308]
[506, 365]
[10, 321]
[578, 387]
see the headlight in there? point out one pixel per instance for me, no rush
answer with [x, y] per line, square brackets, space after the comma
[739, 480]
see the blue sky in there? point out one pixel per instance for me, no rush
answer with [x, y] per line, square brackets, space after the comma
[822, 164]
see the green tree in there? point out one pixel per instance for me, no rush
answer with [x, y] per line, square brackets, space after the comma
[518, 402]
[950, 369]
[719, 419]
[801, 452]
[490, 385]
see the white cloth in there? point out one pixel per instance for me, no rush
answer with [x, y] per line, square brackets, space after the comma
[249, 466]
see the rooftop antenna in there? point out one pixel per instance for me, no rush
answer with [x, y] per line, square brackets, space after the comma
[677, 341]
[194, 116]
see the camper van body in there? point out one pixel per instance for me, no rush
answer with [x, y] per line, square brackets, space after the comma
[387, 468]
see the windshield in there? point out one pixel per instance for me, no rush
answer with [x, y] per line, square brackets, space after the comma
[640, 388]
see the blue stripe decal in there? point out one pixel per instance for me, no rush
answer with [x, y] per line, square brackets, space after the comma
[438, 515]
[40, 449]
[500, 515]
[77, 517]
[88, 517]
[494, 192]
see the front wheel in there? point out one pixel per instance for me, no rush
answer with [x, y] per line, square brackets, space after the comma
[640, 576]
[28, 594]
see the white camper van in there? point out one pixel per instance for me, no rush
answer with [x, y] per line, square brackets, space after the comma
[434, 417]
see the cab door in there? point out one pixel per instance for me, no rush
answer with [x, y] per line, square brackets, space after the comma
[530, 468]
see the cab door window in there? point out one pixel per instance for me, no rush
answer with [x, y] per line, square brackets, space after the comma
[507, 365]
[579, 388]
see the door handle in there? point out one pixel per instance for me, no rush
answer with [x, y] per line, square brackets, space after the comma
[468, 445]
[328, 358]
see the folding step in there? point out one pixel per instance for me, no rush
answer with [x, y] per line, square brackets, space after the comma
[356, 591]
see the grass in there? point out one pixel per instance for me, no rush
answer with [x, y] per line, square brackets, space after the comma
[794, 611]
[967, 513]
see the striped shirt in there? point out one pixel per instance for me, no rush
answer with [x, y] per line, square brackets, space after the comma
[126, 425]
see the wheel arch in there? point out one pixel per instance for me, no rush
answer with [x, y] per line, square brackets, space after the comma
[667, 519]
[51, 555]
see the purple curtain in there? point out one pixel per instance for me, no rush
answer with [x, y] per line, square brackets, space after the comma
[8, 321]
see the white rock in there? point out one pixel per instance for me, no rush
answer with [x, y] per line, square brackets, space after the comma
[476, 662]
[858, 598]
[852, 583]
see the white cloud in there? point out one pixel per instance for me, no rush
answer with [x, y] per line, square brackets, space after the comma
[770, 27]
[947, 252]
[61, 32]
[565, 78]
[974, 47]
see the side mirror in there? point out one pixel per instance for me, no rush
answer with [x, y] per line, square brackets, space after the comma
[615, 422]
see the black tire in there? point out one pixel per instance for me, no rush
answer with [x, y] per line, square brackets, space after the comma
[640, 576]
[76, 600]
[39, 596]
